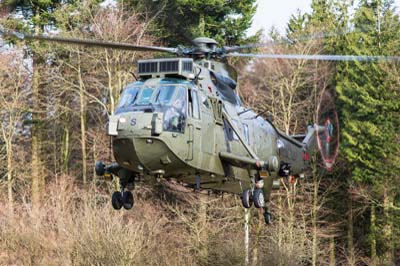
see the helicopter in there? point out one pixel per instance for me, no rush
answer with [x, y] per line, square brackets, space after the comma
[183, 119]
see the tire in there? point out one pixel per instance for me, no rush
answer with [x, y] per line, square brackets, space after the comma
[99, 168]
[258, 198]
[116, 200]
[247, 199]
[127, 200]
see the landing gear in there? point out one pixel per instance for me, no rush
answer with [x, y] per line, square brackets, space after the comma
[256, 196]
[247, 198]
[119, 200]
[116, 200]
[127, 200]
[124, 197]
[267, 216]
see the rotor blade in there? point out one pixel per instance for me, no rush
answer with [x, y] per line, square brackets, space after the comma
[88, 42]
[232, 49]
[365, 58]
[303, 38]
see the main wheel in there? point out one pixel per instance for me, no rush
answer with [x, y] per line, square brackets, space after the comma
[127, 200]
[247, 198]
[258, 198]
[116, 200]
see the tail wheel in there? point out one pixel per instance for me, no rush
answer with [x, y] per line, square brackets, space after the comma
[247, 198]
[127, 200]
[258, 198]
[328, 130]
[116, 200]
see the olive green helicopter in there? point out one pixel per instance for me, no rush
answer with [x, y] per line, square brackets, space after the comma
[183, 119]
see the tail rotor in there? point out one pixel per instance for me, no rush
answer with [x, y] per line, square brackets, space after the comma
[328, 130]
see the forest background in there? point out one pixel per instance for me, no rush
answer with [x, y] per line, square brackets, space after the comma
[54, 103]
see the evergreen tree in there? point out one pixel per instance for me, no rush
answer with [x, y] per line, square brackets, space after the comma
[369, 105]
[179, 21]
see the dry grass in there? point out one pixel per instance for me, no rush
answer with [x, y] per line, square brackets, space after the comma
[79, 227]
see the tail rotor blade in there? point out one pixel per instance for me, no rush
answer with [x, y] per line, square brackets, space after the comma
[328, 133]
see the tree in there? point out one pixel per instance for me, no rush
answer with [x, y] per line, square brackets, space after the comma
[14, 93]
[93, 78]
[179, 21]
[369, 104]
[37, 15]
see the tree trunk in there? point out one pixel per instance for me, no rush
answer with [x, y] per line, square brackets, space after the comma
[280, 219]
[10, 180]
[332, 259]
[37, 164]
[246, 236]
[350, 245]
[258, 236]
[65, 150]
[388, 229]
[314, 219]
[83, 121]
[372, 235]
[203, 247]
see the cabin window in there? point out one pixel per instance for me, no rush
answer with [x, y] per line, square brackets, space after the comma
[246, 133]
[194, 110]
[205, 103]
[235, 124]
[230, 133]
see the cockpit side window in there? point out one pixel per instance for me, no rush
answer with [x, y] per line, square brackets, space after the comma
[175, 116]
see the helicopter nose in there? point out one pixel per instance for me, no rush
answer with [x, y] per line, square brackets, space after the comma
[137, 123]
[140, 144]
[144, 153]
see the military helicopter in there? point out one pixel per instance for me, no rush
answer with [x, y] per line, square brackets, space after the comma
[183, 118]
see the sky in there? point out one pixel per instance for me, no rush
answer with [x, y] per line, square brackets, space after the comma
[277, 13]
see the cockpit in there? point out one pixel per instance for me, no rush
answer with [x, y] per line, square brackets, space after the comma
[169, 99]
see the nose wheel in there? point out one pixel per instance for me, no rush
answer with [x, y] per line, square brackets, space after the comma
[124, 199]
[116, 200]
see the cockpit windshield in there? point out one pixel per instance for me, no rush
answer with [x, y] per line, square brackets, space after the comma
[168, 99]
[133, 98]
[145, 96]
[164, 94]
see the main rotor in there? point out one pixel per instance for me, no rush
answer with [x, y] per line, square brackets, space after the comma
[202, 47]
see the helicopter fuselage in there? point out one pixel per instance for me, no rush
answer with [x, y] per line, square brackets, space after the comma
[191, 130]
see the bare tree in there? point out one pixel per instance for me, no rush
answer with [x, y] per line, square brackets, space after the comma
[93, 78]
[14, 93]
